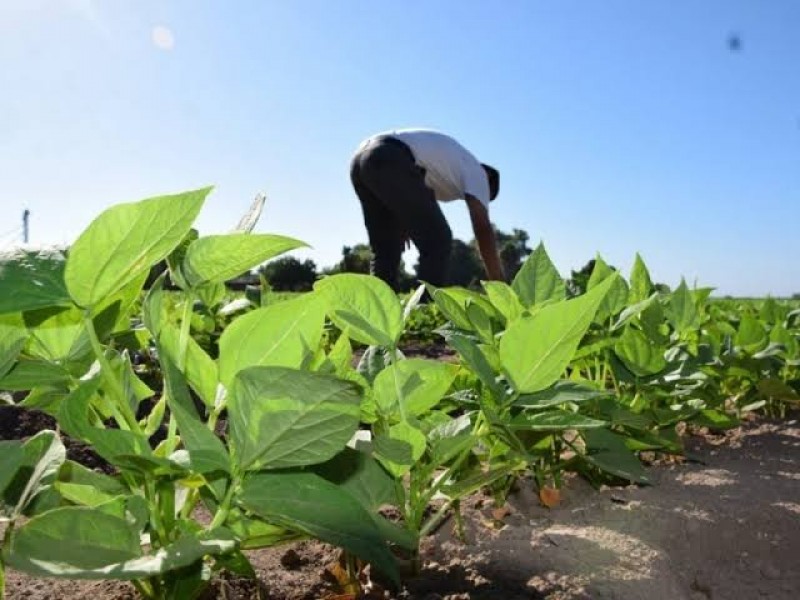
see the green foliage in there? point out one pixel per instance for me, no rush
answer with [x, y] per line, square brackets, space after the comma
[550, 376]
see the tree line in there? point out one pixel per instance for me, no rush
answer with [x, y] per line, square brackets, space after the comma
[466, 268]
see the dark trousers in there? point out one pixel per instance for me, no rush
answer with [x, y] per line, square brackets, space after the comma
[397, 203]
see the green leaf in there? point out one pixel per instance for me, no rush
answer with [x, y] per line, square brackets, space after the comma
[617, 297]
[408, 434]
[43, 455]
[125, 241]
[201, 370]
[554, 420]
[30, 373]
[751, 335]
[54, 331]
[641, 284]
[72, 539]
[504, 299]
[86, 543]
[412, 387]
[11, 459]
[364, 307]
[280, 335]
[217, 258]
[560, 393]
[538, 280]
[32, 279]
[86, 487]
[639, 353]
[361, 476]
[681, 310]
[451, 308]
[13, 337]
[608, 452]
[474, 357]
[207, 453]
[536, 350]
[307, 503]
[281, 417]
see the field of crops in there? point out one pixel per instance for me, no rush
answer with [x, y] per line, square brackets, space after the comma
[216, 426]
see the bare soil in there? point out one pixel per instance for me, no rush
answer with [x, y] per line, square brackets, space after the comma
[723, 526]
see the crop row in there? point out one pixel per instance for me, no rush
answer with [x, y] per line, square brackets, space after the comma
[270, 428]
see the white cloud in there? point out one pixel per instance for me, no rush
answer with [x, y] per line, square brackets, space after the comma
[163, 38]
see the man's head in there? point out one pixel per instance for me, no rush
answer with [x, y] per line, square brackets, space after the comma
[493, 175]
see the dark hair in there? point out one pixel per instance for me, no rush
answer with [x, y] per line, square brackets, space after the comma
[493, 175]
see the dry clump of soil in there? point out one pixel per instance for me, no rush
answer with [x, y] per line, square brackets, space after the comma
[722, 526]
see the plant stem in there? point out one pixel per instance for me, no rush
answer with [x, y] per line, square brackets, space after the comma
[225, 507]
[122, 411]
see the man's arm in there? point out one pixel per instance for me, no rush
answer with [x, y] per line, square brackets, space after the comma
[487, 242]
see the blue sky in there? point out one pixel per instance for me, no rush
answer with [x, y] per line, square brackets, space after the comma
[618, 126]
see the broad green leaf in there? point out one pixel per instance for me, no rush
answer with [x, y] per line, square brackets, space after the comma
[715, 419]
[504, 299]
[81, 485]
[408, 434]
[481, 322]
[412, 387]
[86, 543]
[364, 307]
[29, 373]
[201, 370]
[681, 310]
[285, 334]
[778, 390]
[474, 357]
[634, 310]
[751, 335]
[305, 502]
[451, 439]
[43, 455]
[641, 284]
[341, 355]
[538, 280]
[562, 392]
[639, 353]
[13, 337]
[53, 331]
[608, 452]
[282, 417]
[217, 258]
[374, 360]
[207, 453]
[617, 297]
[470, 485]
[79, 538]
[454, 303]
[32, 279]
[361, 476]
[11, 459]
[536, 350]
[554, 420]
[780, 335]
[452, 310]
[389, 450]
[125, 241]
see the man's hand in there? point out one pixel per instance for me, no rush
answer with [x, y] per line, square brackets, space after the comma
[487, 243]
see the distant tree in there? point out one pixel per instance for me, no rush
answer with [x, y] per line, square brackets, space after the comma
[287, 274]
[466, 268]
[357, 259]
[513, 249]
[579, 280]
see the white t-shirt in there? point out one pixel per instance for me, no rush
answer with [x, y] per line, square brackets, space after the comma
[451, 170]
